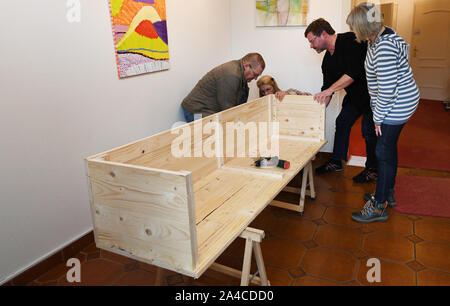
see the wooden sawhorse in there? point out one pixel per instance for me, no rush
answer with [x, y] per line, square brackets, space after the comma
[253, 238]
[307, 180]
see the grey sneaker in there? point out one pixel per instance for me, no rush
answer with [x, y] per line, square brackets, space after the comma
[372, 211]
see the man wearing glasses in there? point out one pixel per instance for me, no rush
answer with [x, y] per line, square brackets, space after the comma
[343, 68]
[223, 87]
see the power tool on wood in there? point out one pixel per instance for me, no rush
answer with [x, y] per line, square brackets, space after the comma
[271, 162]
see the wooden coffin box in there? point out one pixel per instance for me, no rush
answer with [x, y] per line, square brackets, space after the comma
[182, 212]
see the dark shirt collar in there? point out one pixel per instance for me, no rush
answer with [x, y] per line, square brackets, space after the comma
[387, 31]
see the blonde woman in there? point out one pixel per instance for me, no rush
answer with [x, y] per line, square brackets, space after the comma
[394, 97]
[267, 85]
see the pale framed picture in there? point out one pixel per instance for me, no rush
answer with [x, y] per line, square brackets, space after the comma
[281, 13]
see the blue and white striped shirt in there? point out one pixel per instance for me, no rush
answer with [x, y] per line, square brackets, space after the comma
[394, 95]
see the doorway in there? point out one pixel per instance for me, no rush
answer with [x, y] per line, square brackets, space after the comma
[430, 49]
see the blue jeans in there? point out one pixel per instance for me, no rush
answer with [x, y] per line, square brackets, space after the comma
[344, 122]
[387, 155]
[188, 116]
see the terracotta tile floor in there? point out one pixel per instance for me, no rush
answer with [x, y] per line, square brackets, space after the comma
[323, 247]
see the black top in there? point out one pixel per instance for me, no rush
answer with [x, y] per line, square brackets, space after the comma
[348, 58]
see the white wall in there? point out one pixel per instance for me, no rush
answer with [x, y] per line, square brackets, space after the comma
[286, 51]
[61, 101]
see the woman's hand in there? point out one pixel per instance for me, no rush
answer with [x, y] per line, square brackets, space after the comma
[378, 130]
[280, 95]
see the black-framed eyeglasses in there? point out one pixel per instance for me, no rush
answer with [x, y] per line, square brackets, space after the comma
[312, 41]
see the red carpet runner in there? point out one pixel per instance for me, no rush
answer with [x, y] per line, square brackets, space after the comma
[427, 196]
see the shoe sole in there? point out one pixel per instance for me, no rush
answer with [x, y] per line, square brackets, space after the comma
[379, 219]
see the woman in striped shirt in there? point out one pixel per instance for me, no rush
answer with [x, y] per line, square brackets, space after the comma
[394, 97]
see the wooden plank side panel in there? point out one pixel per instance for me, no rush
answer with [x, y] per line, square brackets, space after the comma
[186, 148]
[144, 213]
[143, 251]
[300, 116]
[250, 116]
[158, 144]
[179, 149]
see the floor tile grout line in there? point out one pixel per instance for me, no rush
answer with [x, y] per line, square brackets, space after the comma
[323, 278]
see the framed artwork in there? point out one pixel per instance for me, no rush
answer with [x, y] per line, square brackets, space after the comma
[281, 13]
[140, 36]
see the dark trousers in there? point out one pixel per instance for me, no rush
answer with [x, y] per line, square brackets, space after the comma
[188, 116]
[387, 155]
[344, 122]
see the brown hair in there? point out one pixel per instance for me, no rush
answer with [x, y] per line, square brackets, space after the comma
[318, 26]
[267, 80]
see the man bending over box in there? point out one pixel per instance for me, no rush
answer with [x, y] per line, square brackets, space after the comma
[223, 87]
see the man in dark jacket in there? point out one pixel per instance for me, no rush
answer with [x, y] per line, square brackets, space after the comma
[343, 68]
[223, 87]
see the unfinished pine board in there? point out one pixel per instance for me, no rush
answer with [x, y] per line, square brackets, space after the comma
[249, 116]
[156, 151]
[297, 116]
[144, 213]
[220, 229]
[181, 213]
[212, 191]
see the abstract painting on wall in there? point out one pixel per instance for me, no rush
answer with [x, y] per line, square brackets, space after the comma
[280, 13]
[140, 36]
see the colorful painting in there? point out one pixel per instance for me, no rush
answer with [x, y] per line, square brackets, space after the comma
[280, 13]
[140, 36]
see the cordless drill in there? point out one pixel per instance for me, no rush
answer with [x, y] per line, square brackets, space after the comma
[271, 162]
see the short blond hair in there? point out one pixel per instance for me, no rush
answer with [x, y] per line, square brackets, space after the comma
[365, 20]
